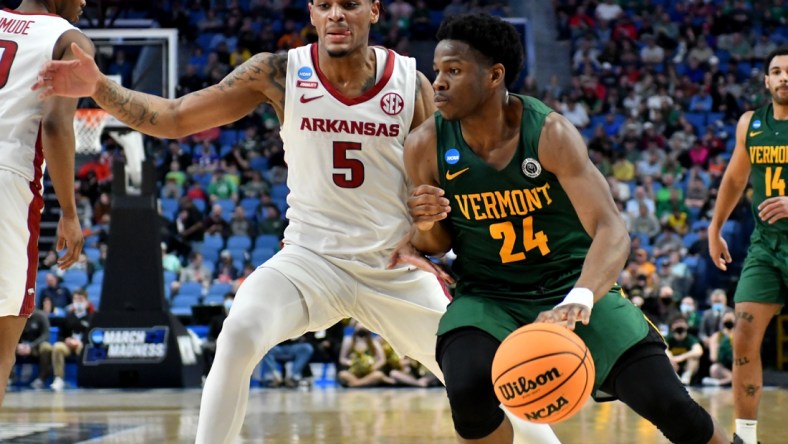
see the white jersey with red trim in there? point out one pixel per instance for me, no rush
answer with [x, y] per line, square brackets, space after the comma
[345, 156]
[27, 41]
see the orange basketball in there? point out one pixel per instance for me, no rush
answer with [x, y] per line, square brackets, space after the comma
[543, 373]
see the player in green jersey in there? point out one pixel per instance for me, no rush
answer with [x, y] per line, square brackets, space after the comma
[761, 151]
[508, 185]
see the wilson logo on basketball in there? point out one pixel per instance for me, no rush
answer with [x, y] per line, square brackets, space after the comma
[392, 104]
[548, 410]
[522, 385]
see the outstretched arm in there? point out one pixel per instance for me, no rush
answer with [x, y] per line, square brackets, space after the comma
[733, 183]
[563, 152]
[260, 79]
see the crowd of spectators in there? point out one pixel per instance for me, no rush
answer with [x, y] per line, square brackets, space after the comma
[656, 90]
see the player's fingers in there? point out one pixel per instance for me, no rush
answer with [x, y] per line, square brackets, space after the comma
[428, 189]
[768, 202]
[727, 256]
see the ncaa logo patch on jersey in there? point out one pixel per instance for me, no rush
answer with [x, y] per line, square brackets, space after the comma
[304, 72]
[452, 156]
[392, 103]
[531, 167]
[756, 124]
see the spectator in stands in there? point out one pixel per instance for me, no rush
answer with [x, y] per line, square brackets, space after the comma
[298, 352]
[205, 158]
[362, 359]
[255, 186]
[721, 353]
[623, 168]
[55, 291]
[640, 199]
[214, 328]
[608, 11]
[222, 186]
[191, 80]
[215, 224]
[684, 350]
[700, 53]
[412, 374]
[47, 306]
[272, 222]
[189, 223]
[170, 189]
[575, 112]
[701, 102]
[712, 318]
[196, 270]
[240, 225]
[225, 271]
[668, 242]
[34, 342]
[326, 343]
[689, 310]
[103, 206]
[678, 219]
[71, 336]
[645, 223]
[169, 261]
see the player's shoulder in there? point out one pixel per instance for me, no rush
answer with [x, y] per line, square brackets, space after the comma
[426, 133]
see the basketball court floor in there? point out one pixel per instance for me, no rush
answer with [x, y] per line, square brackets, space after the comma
[321, 416]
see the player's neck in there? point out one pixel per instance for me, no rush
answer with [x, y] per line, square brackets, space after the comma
[31, 6]
[496, 121]
[780, 111]
[350, 71]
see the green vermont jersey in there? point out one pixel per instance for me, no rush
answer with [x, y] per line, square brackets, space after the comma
[515, 232]
[767, 146]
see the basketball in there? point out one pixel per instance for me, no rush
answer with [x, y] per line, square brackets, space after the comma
[543, 373]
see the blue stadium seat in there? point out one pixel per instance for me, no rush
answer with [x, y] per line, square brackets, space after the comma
[98, 277]
[200, 205]
[249, 204]
[239, 242]
[267, 241]
[698, 120]
[200, 330]
[93, 254]
[190, 289]
[219, 288]
[259, 163]
[94, 295]
[279, 190]
[169, 207]
[213, 299]
[75, 279]
[213, 241]
[260, 255]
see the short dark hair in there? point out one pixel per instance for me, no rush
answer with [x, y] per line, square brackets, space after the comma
[494, 38]
[781, 51]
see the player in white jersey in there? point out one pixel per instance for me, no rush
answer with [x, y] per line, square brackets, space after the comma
[33, 133]
[345, 109]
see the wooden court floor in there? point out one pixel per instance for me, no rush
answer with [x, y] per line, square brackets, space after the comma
[321, 416]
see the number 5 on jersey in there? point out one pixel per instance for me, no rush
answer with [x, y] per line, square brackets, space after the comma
[353, 174]
[531, 240]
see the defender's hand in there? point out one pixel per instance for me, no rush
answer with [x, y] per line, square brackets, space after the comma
[69, 236]
[69, 78]
[406, 253]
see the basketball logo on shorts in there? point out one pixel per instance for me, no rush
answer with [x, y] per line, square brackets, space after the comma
[392, 104]
[531, 167]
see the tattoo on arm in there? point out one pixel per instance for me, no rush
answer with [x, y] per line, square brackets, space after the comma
[132, 107]
[742, 361]
[277, 71]
[744, 315]
[751, 389]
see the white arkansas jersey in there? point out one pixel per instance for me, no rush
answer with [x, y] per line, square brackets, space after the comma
[346, 172]
[26, 43]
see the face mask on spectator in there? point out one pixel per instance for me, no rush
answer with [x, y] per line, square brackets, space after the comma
[80, 307]
[228, 303]
[718, 306]
[687, 308]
